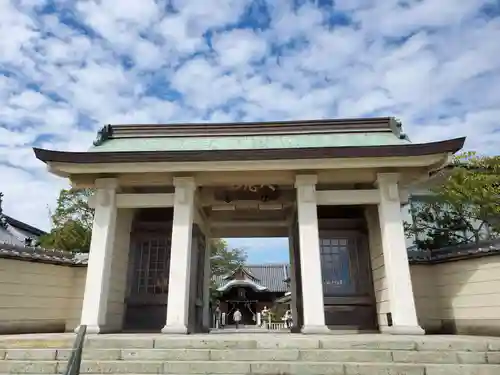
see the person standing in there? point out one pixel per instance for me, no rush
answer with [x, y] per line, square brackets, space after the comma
[237, 318]
[265, 317]
[218, 316]
[288, 318]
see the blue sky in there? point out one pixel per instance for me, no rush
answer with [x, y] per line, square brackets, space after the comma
[262, 250]
[67, 67]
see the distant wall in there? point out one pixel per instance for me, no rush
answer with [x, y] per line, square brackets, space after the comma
[459, 296]
[39, 297]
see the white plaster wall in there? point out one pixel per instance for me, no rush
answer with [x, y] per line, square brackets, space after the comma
[426, 300]
[39, 297]
[463, 294]
[377, 264]
[468, 293]
[35, 297]
[75, 298]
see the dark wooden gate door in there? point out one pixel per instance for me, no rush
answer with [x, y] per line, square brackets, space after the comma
[347, 280]
[147, 294]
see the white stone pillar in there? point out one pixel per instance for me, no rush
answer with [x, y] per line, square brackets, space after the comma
[293, 281]
[95, 298]
[397, 268]
[310, 260]
[180, 256]
[116, 307]
[207, 275]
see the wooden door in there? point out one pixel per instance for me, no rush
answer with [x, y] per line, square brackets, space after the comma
[347, 280]
[147, 293]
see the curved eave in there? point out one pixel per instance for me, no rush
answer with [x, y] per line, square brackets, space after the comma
[242, 283]
[442, 147]
[287, 298]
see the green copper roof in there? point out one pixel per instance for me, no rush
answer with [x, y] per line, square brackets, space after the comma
[248, 142]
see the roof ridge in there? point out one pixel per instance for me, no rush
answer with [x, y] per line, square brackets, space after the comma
[266, 264]
[22, 225]
[372, 124]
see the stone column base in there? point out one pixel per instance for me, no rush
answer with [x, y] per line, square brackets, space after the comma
[175, 329]
[314, 330]
[404, 330]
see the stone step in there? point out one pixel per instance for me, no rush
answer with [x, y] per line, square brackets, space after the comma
[308, 355]
[241, 367]
[290, 343]
[349, 342]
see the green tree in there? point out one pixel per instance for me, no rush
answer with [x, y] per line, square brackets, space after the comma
[223, 260]
[465, 208]
[71, 222]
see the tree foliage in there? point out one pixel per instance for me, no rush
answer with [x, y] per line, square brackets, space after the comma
[465, 208]
[71, 222]
[222, 261]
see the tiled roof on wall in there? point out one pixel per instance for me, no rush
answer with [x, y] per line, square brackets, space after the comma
[271, 276]
[36, 254]
[453, 253]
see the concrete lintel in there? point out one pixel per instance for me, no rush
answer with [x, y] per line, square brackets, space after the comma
[343, 197]
[144, 200]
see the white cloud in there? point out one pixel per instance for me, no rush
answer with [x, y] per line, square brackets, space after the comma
[238, 48]
[66, 72]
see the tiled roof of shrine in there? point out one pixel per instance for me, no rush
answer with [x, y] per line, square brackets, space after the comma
[272, 276]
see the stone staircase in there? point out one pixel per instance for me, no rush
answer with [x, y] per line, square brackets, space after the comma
[254, 354]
